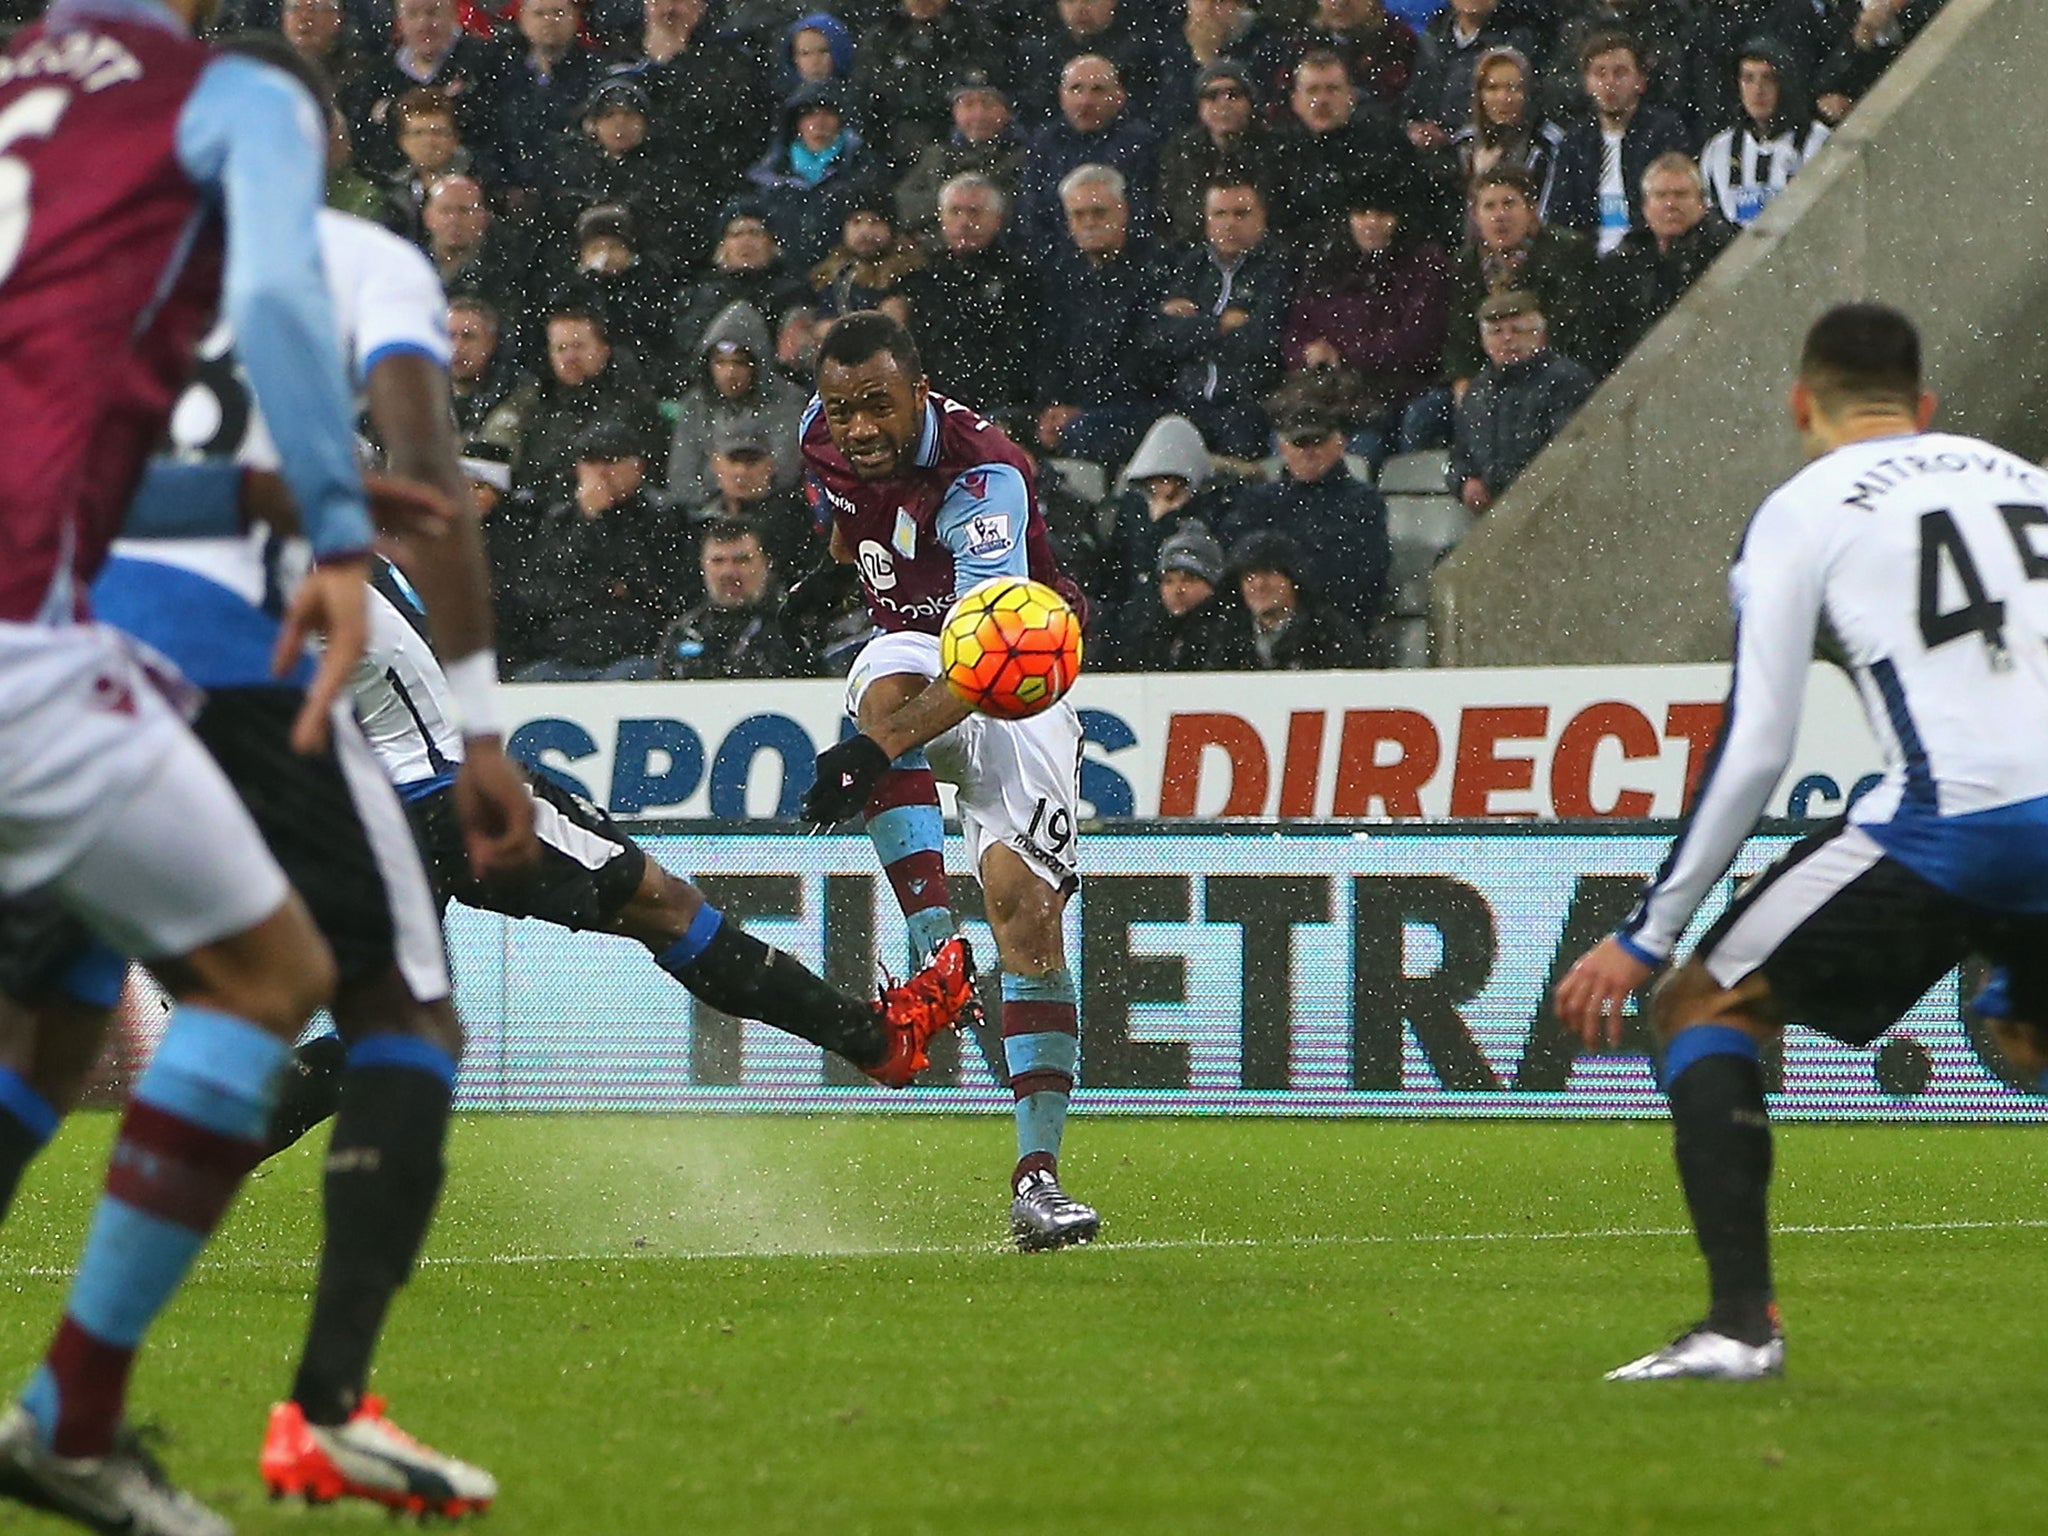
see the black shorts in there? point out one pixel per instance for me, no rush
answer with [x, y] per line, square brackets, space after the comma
[1850, 939]
[588, 870]
[333, 823]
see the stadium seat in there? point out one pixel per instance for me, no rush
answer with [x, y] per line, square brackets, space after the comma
[1415, 474]
[1422, 528]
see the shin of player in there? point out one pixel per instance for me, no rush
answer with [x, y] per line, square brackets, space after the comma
[905, 825]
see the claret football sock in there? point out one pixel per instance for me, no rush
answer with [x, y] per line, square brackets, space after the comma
[736, 973]
[1042, 1047]
[1722, 1136]
[909, 833]
[27, 1122]
[384, 1171]
[193, 1129]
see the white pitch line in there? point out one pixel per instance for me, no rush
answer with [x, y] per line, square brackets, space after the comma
[652, 1254]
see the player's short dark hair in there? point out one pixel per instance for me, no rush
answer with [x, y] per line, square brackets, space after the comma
[270, 48]
[1862, 353]
[1611, 41]
[858, 337]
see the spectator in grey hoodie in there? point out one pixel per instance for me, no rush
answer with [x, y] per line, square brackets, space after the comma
[735, 379]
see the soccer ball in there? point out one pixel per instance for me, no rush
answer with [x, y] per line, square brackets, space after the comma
[1010, 647]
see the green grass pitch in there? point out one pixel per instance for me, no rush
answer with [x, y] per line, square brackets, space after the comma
[728, 1325]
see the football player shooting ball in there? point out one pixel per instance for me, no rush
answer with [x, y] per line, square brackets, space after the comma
[927, 500]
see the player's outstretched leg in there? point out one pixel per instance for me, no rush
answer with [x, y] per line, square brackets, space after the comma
[383, 1179]
[1041, 1046]
[904, 824]
[1713, 1077]
[736, 973]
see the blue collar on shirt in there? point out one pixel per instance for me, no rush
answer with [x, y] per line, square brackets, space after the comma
[928, 439]
[64, 14]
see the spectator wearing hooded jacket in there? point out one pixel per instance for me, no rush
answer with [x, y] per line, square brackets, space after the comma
[1285, 621]
[1714, 43]
[805, 183]
[1170, 484]
[1214, 336]
[614, 161]
[1228, 140]
[815, 49]
[1748, 164]
[733, 378]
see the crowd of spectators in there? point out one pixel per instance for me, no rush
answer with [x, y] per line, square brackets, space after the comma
[1234, 254]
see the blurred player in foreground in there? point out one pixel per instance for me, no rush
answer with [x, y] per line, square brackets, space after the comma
[926, 499]
[147, 182]
[1922, 559]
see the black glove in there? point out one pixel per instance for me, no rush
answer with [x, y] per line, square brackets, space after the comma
[820, 589]
[846, 777]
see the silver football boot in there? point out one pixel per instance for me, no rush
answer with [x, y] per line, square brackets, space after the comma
[1706, 1355]
[124, 1493]
[1045, 1216]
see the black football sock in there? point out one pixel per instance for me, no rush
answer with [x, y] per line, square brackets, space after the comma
[384, 1173]
[310, 1093]
[1722, 1136]
[737, 974]
[27, 1122]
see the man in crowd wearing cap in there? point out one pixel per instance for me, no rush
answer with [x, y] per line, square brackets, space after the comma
[1329, 144]
[1093, 128]
[1517, 404]
[1096, 299]
[1098, 27]
[973, 305]
[1215, 335]
[1178, 627]
[984, 142]
[745, 488]
[474, 253]
[1285, 622]
[546, 89]
[587, 382]
[1321, 506]
[591, 587]
[1227, 139]
[905, 67]
[733, 632]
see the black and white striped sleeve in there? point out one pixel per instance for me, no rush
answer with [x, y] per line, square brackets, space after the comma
[1776, 589]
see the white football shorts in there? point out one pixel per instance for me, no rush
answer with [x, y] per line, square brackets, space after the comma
[1017, 781]
[108, 799]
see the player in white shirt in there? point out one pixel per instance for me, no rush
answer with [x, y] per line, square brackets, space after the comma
[1920, 559]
